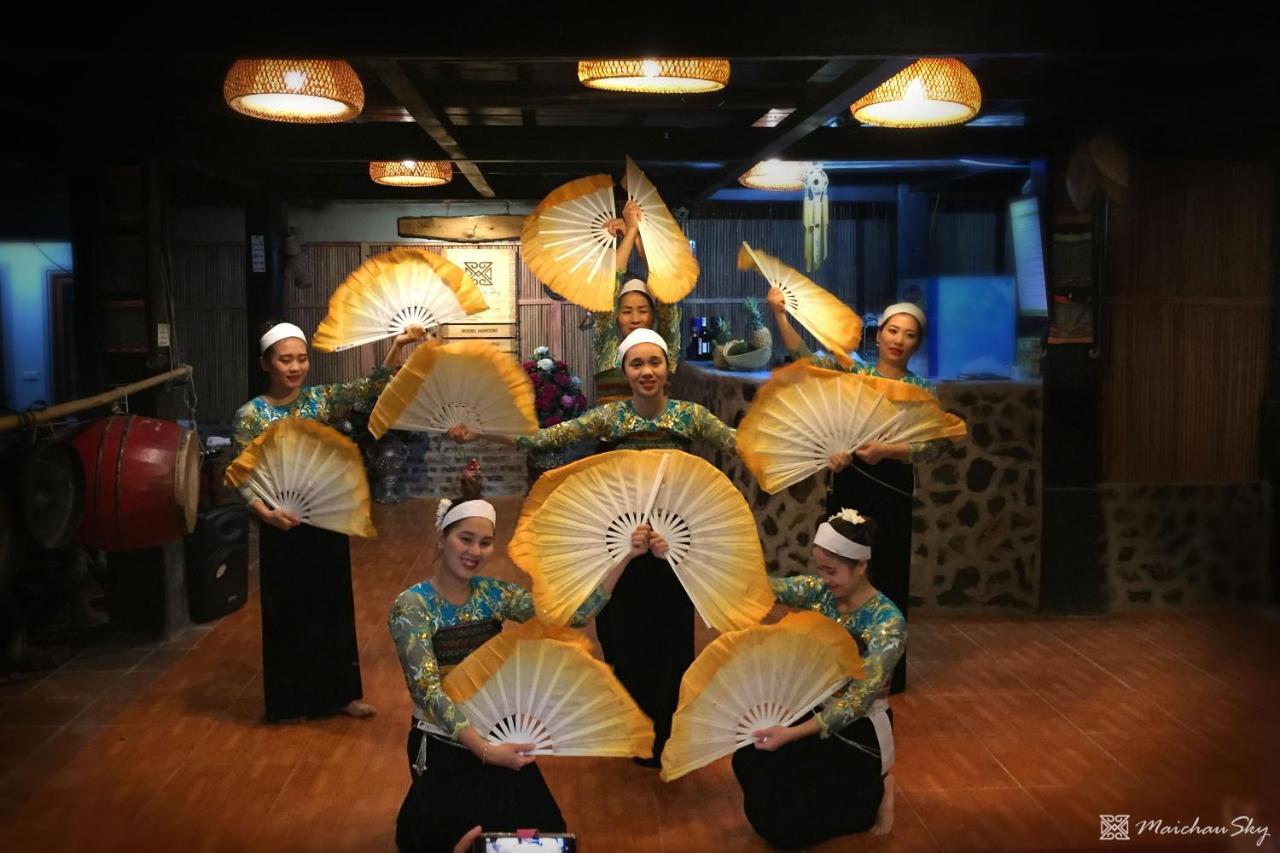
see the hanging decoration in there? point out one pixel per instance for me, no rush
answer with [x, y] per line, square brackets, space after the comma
[815, 217]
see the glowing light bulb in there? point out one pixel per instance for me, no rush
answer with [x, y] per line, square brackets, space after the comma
[650, 68]
[295, 80]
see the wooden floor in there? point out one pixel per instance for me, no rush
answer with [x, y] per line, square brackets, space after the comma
[1014, 734]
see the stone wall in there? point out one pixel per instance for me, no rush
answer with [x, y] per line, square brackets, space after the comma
[434, 464]
[1186, 544]
[977, 508]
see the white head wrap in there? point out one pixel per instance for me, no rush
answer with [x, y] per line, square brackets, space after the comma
[639, 336]
[903, 308]
[827, 537]
[635, 285]
[279, 332]
[448, 512]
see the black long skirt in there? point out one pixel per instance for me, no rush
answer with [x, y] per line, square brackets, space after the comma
[812, 789]
[646, 634]
[456, 792]
[310, 661]
[883, 492]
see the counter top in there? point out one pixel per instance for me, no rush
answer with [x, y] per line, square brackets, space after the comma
[759, 377]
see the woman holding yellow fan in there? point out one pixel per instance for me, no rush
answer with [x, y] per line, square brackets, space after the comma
[646, 632]
[878, 476]
[635, 308]
[311, 665]
[829, 774]
[459, 777]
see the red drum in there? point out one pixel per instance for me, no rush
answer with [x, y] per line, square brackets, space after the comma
[142, 482]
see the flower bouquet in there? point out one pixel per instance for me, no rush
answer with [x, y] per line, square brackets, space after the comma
[557, 397]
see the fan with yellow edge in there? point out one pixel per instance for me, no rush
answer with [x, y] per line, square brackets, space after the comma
[538, 683]
[577, 521]
[565, 243]
[744, 681]
[673, 270]
[466, 382]
[310, 470]
[803, 414]
[391, 292]
[834, 324]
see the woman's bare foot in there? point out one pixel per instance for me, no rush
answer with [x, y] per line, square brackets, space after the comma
[356, 708]
[884, 815]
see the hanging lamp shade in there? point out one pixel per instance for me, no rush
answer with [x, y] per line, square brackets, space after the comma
[303, 91]
[655, 76]
[775, 175]
[411, 173]
[930, 92]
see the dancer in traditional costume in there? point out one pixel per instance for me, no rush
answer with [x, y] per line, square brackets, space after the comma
[635, 308]
[311, 666]
[646, 632]
[828, 775]
[879, 478]
[460, 779]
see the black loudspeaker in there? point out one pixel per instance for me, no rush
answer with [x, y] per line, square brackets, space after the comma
[217, 553]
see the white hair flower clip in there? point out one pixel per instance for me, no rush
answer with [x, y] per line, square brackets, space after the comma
[850, 515]
[441, 509]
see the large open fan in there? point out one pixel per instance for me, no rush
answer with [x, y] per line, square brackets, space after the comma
[576, 525]
[565, 244]
[538, 683]
[391, 292]
[673, 270]
[834, 324]
[309, 469]
[467, 382]
[803, 414]
[766, 675]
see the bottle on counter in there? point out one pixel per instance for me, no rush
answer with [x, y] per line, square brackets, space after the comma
[700, 340]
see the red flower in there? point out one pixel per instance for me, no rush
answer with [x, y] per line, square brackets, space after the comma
[562, 379]
[560, 365]
[580, 401]
[528, 367]
[553, 420]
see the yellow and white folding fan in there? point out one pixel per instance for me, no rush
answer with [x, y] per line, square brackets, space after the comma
[744, 681]
[309, 469]
[466, 382]
[836, 326]
[803, 414]
[577, 522]
[391, 292]
[538, 683]
[565, 244]
[673, 270]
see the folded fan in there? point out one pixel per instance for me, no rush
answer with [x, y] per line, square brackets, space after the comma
[744, 681]
[803, 414]
[309, 470]
[391, 292]
[577, 522]
[538, 683]
[833, 323]
[467, 382]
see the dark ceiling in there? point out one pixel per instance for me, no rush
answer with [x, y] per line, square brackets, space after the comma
[507, 103]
